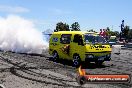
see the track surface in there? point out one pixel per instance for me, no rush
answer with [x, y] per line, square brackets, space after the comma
[32, 71]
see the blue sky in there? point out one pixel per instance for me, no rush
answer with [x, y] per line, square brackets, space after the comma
[91, 14]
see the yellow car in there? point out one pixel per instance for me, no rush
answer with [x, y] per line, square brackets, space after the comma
[79, 46]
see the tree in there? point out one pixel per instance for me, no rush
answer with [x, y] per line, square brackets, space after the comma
[126, 30]
[116, 33]
[91, 30]
[112, 33]
[75, 27]
[107, 29]
[130, 34]
[62, 27]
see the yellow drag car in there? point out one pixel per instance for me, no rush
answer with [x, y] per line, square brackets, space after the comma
[79, 46]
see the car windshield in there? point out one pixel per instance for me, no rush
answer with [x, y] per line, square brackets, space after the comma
[94, 39]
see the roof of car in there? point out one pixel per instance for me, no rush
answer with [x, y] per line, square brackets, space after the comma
[73, 32]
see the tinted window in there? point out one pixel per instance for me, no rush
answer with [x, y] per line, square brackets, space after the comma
[100, 39]
[94, 39]
[78, 39]
[65, 38]
[89, 38]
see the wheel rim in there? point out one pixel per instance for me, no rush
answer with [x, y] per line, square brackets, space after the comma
[55, 55]
[76, 60]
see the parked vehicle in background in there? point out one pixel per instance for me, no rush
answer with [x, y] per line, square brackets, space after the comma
[112, 40]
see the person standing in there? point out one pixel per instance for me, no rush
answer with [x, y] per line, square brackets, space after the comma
[104, 33]
[101, 32]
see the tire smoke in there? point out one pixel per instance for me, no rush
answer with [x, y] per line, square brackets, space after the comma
[20, 35]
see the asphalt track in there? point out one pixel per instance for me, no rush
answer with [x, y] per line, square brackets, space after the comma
[37, 71]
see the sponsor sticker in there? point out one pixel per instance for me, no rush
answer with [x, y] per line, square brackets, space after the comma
[101, 78]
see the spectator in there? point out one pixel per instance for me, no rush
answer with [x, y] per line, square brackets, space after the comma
[101, 32]
[107, 35]
[104, 33]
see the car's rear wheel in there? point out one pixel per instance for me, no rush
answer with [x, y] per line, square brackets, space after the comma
[76, 60]
[99, 63]
[55, 56]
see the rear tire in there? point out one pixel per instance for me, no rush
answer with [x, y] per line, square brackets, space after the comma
[55, 56]
[99, 63]
[76, 60]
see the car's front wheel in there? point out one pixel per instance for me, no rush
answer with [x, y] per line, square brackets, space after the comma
[76, 60]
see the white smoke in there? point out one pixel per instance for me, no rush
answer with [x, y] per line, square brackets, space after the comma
[19, 35]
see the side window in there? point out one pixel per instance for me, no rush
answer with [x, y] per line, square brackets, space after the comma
[78, 39]
[55, 39]
[65, 38]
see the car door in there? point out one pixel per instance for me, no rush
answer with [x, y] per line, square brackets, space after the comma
[65, 46]
[77, 46]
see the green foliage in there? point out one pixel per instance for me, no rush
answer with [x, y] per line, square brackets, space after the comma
[62, 27]
[75, 27]
[112, 33]
[116, 33]
[108, 29]
[126, 30]
[91, 30]
[130, 34]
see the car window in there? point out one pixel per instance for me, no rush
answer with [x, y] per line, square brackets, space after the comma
[65, 38]
[78, 39]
